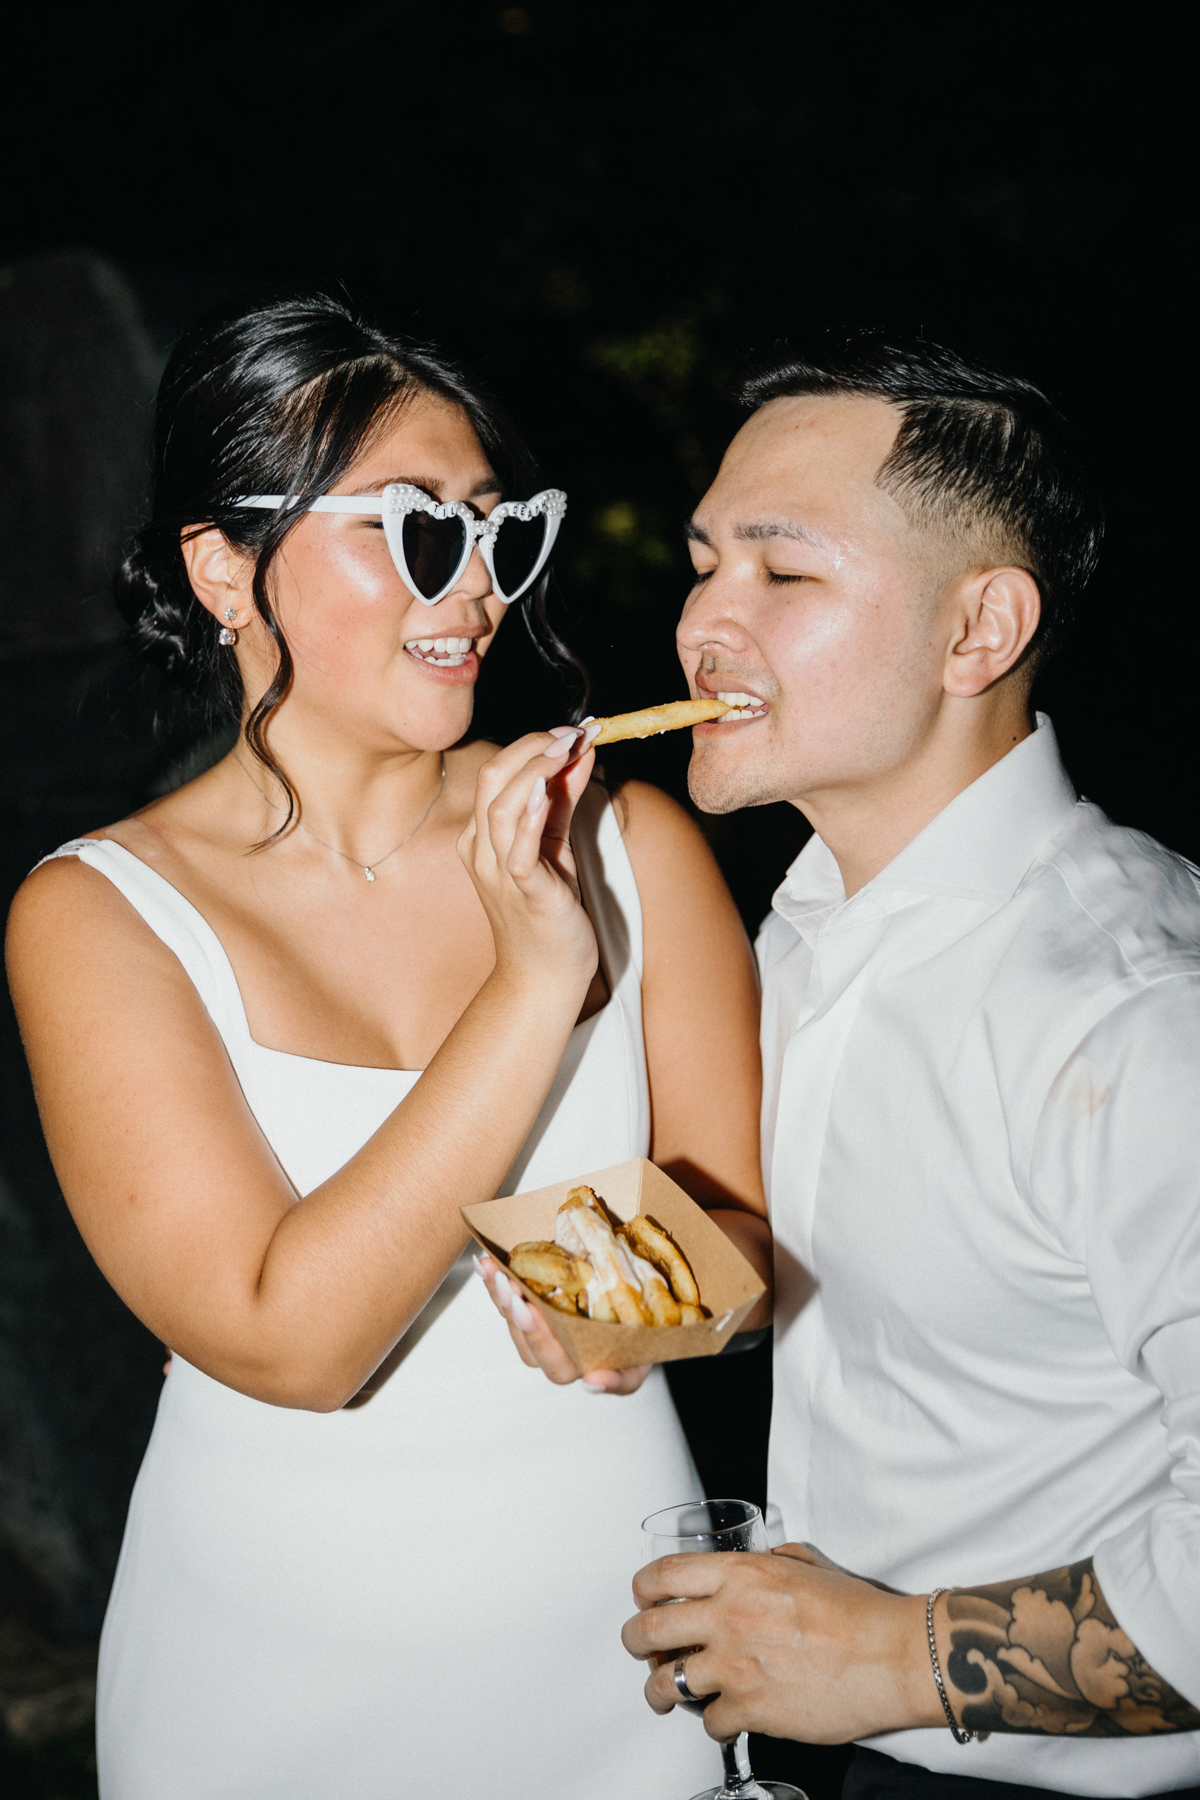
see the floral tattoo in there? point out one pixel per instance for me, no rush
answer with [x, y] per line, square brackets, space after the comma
[1046, 1654]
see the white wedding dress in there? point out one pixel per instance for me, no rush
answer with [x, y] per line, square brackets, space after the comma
[421, 1594]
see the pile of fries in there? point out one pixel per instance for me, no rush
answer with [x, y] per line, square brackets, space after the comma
[630, 1273]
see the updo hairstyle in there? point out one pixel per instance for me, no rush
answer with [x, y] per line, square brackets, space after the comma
[281, 395]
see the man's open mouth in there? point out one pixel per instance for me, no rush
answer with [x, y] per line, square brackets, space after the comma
[744, 706]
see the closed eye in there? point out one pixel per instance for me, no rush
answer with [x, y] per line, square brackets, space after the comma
[777, 579]
[699, 575]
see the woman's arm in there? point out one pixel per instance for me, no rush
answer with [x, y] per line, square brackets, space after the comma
[173, 1185]
[700, 1020]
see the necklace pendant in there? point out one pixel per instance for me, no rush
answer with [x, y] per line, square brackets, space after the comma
[370, 874]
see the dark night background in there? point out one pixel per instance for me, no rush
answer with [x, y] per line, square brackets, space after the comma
[603, 210]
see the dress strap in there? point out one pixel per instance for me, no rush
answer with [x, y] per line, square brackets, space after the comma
[175, 921]
[608, 886]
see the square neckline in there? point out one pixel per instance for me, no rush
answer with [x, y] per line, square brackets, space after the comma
[209, 934]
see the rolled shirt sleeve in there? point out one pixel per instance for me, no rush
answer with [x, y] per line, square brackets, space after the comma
[1115, 1173]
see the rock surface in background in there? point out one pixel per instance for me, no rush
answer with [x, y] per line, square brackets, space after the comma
[79, 1377]
[77, 379]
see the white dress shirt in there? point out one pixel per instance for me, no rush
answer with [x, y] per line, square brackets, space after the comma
[980, 1137]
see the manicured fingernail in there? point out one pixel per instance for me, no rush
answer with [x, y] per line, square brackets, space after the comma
[479, 1270]
[502, 1288]
[590, 720]
[564, 731]
[533, 804]
[591, 731]
[522, 1315]
[561, 745]
[589, 1387]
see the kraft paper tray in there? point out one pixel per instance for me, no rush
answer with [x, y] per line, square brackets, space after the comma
[729, 1287]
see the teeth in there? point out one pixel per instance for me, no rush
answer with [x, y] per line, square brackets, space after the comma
[446, 652]
[740, 699]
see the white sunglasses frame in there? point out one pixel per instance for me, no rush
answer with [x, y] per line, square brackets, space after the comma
[399, 499]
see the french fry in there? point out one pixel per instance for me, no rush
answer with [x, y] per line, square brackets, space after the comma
[616, 1274]
[659, 1301]
[584, 1231]
[652, 720]
[550, 1270]
[649, 1240]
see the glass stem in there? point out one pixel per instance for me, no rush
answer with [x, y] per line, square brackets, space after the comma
[736, 1756]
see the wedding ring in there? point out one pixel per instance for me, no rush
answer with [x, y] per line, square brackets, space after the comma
[685, 1692]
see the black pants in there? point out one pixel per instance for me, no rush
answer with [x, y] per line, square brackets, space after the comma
[876, 1777]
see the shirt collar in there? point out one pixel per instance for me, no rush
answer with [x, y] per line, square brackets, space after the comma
[978, 847]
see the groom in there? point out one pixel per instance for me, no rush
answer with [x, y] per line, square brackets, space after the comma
[981, 1039]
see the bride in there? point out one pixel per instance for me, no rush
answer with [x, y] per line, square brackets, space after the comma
[285, 1021]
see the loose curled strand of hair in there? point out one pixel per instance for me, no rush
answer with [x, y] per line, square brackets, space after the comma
[255, 729]
[331, 412]
[553, 650]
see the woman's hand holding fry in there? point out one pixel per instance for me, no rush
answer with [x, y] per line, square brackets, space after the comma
[517, 851]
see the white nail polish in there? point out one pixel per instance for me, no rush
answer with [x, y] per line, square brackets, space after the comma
[503, 1290]
[533, 804]
[561, 745]
[589, 1387]
[564, 731]
[522, 1314]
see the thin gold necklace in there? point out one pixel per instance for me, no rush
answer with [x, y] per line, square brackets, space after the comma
[368, 869]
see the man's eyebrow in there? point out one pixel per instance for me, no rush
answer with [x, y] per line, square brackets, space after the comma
[758, 531]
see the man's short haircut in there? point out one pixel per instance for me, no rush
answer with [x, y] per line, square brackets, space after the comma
[985, 456]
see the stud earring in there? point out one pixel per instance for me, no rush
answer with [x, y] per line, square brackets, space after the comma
[231, 613]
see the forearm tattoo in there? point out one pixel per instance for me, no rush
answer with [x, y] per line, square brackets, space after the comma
[1046, 1654]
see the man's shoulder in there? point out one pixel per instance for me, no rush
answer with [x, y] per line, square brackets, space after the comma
[1121, 896]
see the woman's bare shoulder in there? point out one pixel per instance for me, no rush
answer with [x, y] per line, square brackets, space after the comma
[64, 905]
[681, 887]
[658, 831]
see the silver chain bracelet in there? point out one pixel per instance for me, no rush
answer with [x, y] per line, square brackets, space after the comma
[960, 1736]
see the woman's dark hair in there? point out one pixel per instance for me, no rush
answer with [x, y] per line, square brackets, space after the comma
[983, 455]
[281, 394]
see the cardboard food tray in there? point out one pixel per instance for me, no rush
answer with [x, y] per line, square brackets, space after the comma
[729, 1287]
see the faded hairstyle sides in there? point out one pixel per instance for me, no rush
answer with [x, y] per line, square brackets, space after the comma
[983, 457]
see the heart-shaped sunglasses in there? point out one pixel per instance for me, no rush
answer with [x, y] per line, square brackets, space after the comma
[431, 542]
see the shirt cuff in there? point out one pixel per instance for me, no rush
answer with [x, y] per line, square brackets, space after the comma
[1150, 1575]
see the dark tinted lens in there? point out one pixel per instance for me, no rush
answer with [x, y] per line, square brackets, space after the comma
[516, 550]
[433, 550]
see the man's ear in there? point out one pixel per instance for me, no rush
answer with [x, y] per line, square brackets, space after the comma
[221, 576]
[998, 613]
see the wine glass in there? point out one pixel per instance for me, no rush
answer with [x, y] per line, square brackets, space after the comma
[700, 1525]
